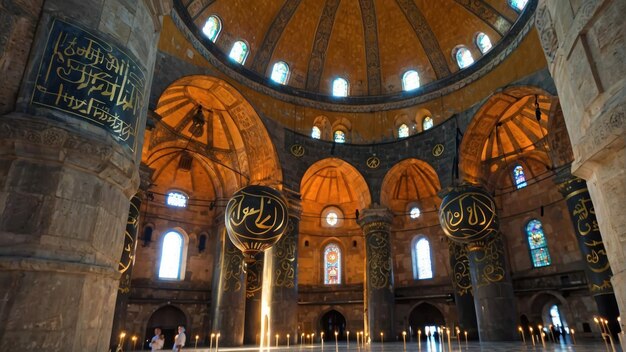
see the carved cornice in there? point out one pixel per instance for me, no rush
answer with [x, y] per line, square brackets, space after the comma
[31, 137]
[399, 100]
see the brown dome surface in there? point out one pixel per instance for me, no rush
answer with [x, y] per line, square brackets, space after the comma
[371, 43]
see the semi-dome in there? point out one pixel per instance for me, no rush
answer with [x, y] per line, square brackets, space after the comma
[386, 51]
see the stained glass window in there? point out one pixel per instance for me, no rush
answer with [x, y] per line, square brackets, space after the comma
[403, 131]
[316, 132]
[340, 87]
[464, 57]
[176, 199]
[415, 213]
[537, 244]
[171, 256]
[422, 266]
[212, 28]
[280, 71]
[340, 136]
[427, 123]
[518, 177]
[332, 264]
[239, 52]
[483, 42]
[332, 218]
[410, 80]
[518, 5]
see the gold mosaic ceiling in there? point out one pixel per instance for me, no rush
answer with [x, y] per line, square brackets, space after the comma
[369, 42]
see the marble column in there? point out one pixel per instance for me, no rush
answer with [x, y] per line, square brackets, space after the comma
[462, 285]
[492, 287]
[584, 43]
[228, 302]
[376, 225]
[69, 156]
[597, 267]
[254, 285]
[284, 269]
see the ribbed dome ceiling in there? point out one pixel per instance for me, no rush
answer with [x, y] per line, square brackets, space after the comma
[371, 43]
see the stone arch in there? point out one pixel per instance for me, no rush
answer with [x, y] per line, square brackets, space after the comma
[224, 111]
[425, 314]
[539, 303]
[500, 108]
[167, 317]
[326, 326]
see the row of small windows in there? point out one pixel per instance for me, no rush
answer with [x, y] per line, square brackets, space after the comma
[340, 86]
[172, 256]
[339, 136]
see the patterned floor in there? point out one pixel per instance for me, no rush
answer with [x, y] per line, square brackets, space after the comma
[432, 347]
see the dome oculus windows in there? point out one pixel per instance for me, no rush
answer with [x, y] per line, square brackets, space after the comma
[403, 131]
[176, 199]
[280, 72]
[410, 80]
[415, 212]
[212, 28]
[518, 5]
[340, 87]
[339, 136]
[331, 217]
[316, 133]
[427, 123]
[239, 51]
[483, 42]
[463, 57]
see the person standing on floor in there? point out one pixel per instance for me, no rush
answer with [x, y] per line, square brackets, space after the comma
[179, 340]
[157, 341]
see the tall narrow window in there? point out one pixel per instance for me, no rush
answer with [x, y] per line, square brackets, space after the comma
[316, 132]
[483, 42]
[410, 80]
[340, 136]
[519, 177]
[340, 87]
[403, 131]
[463, 57]
[332, 264]
[518, 5]
[212, 28]
[427, 123]
[537, 244]
[555, 316]
[239, 52]
[280, 71]
[171, 256]
[422, 265]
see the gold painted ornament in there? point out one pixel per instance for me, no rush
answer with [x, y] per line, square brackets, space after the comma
[256, 217]
[468, 214]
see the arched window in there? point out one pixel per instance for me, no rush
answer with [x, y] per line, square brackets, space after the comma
[332, 264]
[518, 5]
[415, 212]
[403, 131]
[422, 265]
[280, 71]
[537, 244]
[340, 87]
[483, 42]
[212, 28]
[463, 57]
[519, 178]
[555, 316]
[410, 80]
[316, 132]
[176, 199]
[339, 136]
[427, 123]
[239, 52]
[171, 256]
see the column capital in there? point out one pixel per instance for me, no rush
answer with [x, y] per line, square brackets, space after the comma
[375, 218]
[145, 178]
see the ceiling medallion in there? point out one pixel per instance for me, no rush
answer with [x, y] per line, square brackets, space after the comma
[373, 162]
[297, 150]
[438, 149]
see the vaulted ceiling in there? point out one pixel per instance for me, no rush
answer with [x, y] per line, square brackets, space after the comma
[372, 43]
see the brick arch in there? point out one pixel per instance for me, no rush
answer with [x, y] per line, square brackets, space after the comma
[408, 181]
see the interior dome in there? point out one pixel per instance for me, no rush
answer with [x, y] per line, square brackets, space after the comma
[371, 44]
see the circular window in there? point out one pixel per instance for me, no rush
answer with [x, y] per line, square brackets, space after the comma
[415, 213]
[332, 218]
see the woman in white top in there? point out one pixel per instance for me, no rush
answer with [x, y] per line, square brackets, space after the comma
[179, 340]
[157, 341]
